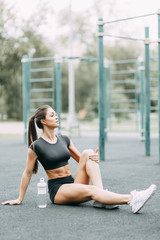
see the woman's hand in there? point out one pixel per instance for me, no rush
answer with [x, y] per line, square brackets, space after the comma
[94, 157]
[12, 202]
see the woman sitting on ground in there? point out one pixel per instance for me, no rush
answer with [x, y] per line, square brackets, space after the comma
[53, 152]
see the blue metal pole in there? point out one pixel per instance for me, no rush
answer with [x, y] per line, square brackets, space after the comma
[53, 85]
[101, 90]
[136, 95]
[25, 93]
[105, 106]
[141, 69]
[159, 77]
[147, 93]
[110, 98]
[58, 91]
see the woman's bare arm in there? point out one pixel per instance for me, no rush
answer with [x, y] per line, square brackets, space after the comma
[74, 152]
[26, 177]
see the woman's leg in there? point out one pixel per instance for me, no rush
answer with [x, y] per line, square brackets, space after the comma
[88, 170]
[78, 193]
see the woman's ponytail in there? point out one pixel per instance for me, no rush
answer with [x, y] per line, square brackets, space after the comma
[32, 132]
[32, 136]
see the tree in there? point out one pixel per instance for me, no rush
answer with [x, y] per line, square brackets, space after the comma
[11, 51]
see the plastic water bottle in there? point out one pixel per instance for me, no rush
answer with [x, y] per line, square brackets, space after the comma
[42, 194]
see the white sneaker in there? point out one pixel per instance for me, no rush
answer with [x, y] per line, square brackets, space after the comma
[141, 197]
[107, 206]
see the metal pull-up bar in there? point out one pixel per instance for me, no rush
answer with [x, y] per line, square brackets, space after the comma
[126, 19]
[101, 80]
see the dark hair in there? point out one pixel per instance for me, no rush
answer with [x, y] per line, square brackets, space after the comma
[32, 132]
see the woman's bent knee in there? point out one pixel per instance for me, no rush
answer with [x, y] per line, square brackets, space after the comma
[87, 152]
[85, 156]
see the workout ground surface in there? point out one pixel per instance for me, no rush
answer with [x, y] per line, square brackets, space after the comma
[126, 168]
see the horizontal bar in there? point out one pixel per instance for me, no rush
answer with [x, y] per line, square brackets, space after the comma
[41, 69]
[42, 100]
[123, 120]
[33, 80]
[154, 108]
[123, 72]
[154, 89]
[123, 81]
[123, 61]
[154, 70]
[154, 99]
[41, 59]
[123, 110]
[124, 101]
[42, 90]
[89, 59]
[154, 80]
[124, 37]
[124, 91]
[154, 58]
[130, 18]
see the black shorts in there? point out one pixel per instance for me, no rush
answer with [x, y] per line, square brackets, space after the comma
[55, 184]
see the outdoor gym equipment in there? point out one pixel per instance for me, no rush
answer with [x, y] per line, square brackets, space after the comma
[34, 87]
[102, 84]
[42, 76]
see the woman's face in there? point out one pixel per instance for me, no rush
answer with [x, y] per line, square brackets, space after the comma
[51, 119]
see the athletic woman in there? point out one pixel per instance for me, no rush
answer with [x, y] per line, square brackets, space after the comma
[53, 152]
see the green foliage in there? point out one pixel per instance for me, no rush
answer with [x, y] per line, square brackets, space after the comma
[11, 51]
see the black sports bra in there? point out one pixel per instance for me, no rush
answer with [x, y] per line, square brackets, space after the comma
[52, 156]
